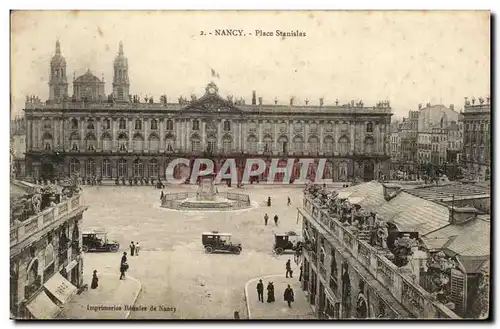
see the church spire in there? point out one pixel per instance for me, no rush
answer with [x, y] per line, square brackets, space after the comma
[120, 49]
[120, 77]
[58, 47]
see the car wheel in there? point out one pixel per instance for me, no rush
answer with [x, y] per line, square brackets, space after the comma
[237, 251]
[279, 251]
[209, 249]
[114, 248]
[85, 249]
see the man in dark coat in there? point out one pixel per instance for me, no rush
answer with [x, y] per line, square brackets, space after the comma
[123, 266]
[260, 291]
[124, 258]
[289, 202]
[288, 296]
[276, 220]
[132, 248]
[266, 218]
[270, 292]
[95, 281]
[269, 201]
[288, 269]
[300, 274]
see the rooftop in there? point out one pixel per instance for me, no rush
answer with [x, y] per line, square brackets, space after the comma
[450, 190]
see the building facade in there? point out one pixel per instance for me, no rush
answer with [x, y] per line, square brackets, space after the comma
[477, 138]
[46, 264]
[18, 146]
[119, 137]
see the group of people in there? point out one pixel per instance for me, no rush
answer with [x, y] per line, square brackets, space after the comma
[134, 248]
[289, 201]
[288, 295]
[266, 219]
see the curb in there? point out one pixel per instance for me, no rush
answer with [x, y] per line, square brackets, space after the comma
[246, 290]
[136, 295]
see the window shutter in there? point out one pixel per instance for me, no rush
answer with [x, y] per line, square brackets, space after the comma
[458, 290]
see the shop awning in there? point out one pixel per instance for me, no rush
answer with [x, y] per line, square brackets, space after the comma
[61, 288]
[41, 307]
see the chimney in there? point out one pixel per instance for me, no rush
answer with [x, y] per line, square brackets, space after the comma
[452, 107]
[254, 98]
[391, 191]
[260, 100]
[462, 215]
[291, 100]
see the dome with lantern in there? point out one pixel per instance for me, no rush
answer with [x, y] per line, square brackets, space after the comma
[88, 87]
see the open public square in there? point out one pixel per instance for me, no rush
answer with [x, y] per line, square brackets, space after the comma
[173, 268]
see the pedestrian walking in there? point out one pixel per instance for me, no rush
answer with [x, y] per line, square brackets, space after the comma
[123, 266]
[260, 291]
[288, 269]
[124, 258]
[162, 195]
[95, 281]
[270, 292]
[289, 202]
[276, 220]
[132, 248]
[266, 218]
[137, 248]
[289, 296]
[269, 201]
[300, 273]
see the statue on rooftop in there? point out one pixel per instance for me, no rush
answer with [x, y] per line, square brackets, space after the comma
[481, 100]
[473, 100]
[36, 202]
[403, 250]
[439, 268]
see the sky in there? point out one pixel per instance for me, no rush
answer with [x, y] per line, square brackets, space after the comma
[404, 57]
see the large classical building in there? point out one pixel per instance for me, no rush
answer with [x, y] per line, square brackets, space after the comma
[117, 136]
[477, 138]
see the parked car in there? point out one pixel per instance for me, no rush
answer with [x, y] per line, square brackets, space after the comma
[215, 241]
[289, 241]
[97, 241]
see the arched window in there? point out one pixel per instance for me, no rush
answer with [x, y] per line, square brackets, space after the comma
[298, 144]
[153, 168]
[252, 144]
[106, 168]
[154, 143]
[227, 125]
[74, 124]
[154, 124]
[138, 124]
[33, 272]
[313, 144]
[138, 168]
[283, 144]
[169, 143]
[107, 143]
[138, 143]
[74, 141]
[329, 144]
[227, 144]
[47, 141]
[369, 127]
[268, 144]
[369, 145]
[122, 124]
[195, 143]
[344, 145]
[49, 255]
[106, 124]
[74, 166]
[170, 125]
[196, 125]
[89, 168]
[122, 168]
[90, 124]
[90, 142]
[122, 142]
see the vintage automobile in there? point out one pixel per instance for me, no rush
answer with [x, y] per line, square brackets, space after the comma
[97, 241]
[289, 241]
[215, 241]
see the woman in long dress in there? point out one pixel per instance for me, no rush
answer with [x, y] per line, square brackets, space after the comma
[95, 281]
[270, 292]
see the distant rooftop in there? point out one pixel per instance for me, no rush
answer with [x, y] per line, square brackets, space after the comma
[450, 190]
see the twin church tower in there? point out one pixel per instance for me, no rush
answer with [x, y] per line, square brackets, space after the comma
[88, 87]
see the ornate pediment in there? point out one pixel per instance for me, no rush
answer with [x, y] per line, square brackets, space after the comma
[212, 102]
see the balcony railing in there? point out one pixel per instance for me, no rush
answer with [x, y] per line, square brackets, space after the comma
[23, 230]
[412, 296]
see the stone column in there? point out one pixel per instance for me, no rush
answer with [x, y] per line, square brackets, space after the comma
[203, 135]
[291, 147]
[98, 123]
[352, 138]
[321, 137]
[177, 134]
[161, 129]
[114, 129]
[275, 137]
[130, 147]
[377, 138]
[39, 140]
[145, 122]
[306, 138]
[82, 134]
[244, 136]
[55, 128]
[336, 149]
[235, 135]
[187, 135]
[219, 136]
[62, 138]
[29, 134]
[260, 123]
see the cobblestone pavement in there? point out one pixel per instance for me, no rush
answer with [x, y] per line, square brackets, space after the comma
[279, 309]
[172, 267]
[110, 292]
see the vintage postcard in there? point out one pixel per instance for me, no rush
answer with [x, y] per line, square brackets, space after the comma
[250, 165]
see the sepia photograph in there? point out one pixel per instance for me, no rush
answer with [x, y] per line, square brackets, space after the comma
[250, 165]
